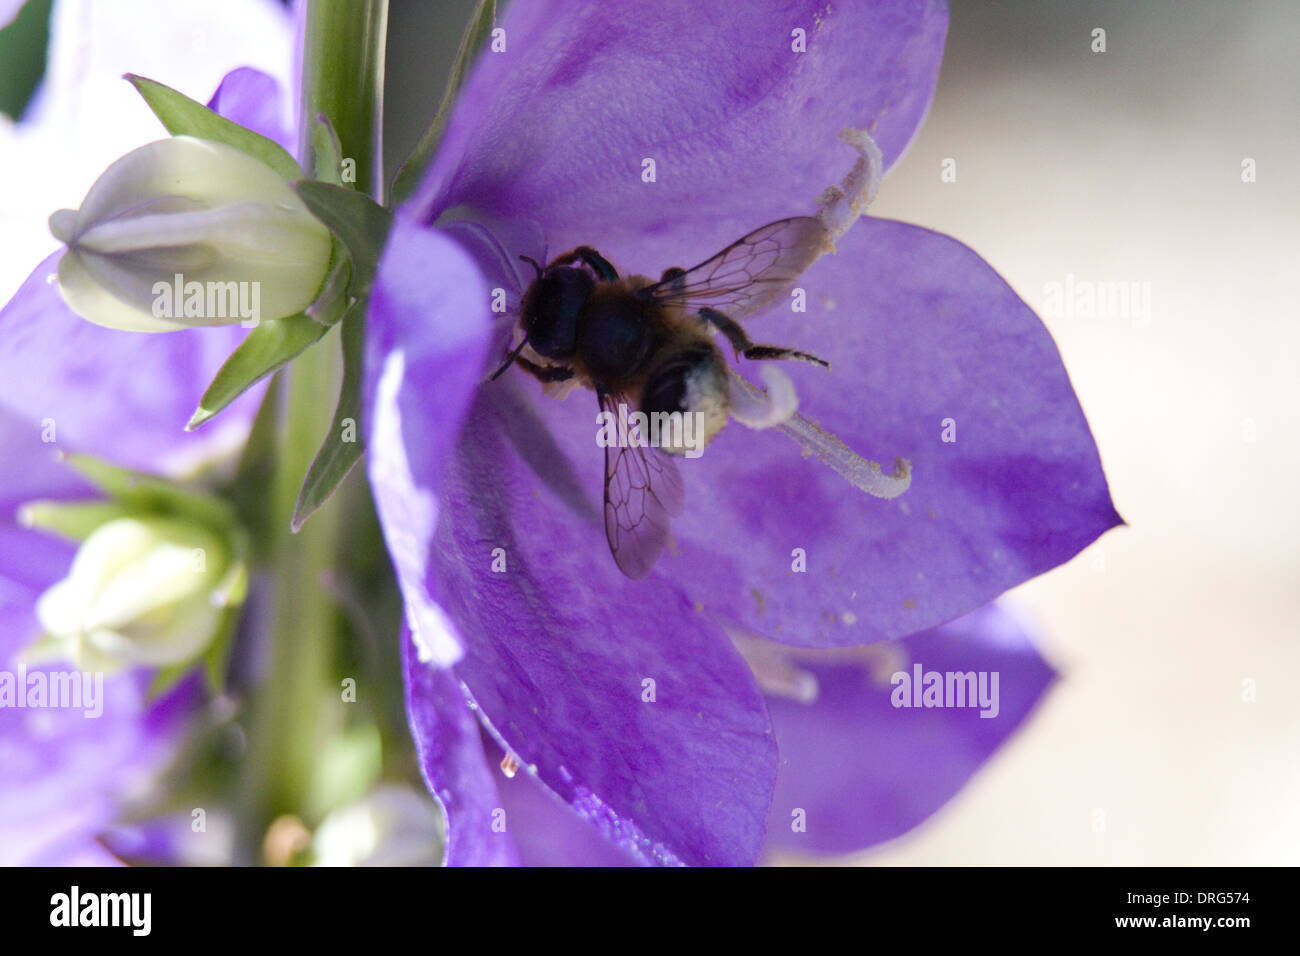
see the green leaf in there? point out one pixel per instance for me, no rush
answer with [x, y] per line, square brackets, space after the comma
[337, 456]
[471, 42]
[141, 492]
[183, 116]
[359, 222]
[22, 51]
[268, 347]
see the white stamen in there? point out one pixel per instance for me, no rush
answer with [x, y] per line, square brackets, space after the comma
[840, 206]
[859, 472]
[762, 409]
[774, 668]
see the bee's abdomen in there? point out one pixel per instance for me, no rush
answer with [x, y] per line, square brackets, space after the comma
[692, 380]
[665, 389]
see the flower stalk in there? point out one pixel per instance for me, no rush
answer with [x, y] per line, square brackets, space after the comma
[343, 56]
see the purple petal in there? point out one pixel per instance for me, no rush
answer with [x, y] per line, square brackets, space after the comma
[451, 757]
[66, 773]
[425, 344]
[29, 561]
[864, 771]
[547, 831]
[121, 396]
[171, 840]
[255, 100]
[562, 652]
[919, 330]
[684, 779]
[742, 129]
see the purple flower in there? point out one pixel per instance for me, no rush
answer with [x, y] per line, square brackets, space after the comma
[854, 770]
[628, 700]
[67, 773]
[75, 387]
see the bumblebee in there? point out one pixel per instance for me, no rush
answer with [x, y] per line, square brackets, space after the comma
[650, 346]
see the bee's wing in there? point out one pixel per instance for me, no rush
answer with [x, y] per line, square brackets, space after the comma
[750, 272]
[643, 491]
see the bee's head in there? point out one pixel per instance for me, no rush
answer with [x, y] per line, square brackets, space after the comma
[692, 381]
[549, 310]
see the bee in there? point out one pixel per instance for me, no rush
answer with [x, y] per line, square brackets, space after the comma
[650, 346]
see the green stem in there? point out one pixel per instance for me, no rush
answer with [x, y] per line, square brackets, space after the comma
[343, 61]
[343, 78]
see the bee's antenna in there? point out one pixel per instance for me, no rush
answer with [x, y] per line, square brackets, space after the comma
[533, 262]
[510, 360]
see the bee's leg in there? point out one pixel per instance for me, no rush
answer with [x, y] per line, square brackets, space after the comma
[742, 344]
[545, 373]
[763, 352]
[593, 260]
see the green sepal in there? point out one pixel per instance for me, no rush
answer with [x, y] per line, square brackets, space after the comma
[183, 116]
[165, 678]
[471, 42]
[75, 520]
[326, 152]
[333, 299]
[357, 220]
[336, 457]
[141, 493]
[216, 659]
[267, 348]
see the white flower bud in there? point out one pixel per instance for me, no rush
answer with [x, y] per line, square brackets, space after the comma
[187, 232]
[140, 592]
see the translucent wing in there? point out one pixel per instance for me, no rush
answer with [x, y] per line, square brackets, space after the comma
[750, 272]
[643, 491]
